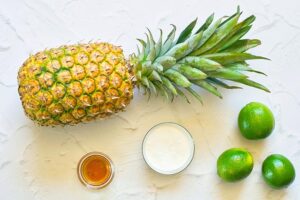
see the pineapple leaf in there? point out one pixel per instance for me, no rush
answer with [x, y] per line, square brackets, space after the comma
[203, 64]
[147, 47]
[155, 76]
[186, 33]
[166, 61]
[207, 86]
[207, 34]
[142, 54]
[228, 58]
[243, 67]
[146, 68]
[253, 84]
[152, 87]
[177, 78]
[169, 41]
[195, 94]
[237, 32]
[207, 23]
[159, 43]
[145, 81]
[232, 16]
[242, 46]
[143, 43]
[158, 67]
[219, 35]
[235, 37]
[152, 52]
[248, 21]
[226, 73]
[191, 73]
[217, 82]
[215, 52]
[180, 93]
[178, 51]
[168, 84]
[193, 41]
[162, 89]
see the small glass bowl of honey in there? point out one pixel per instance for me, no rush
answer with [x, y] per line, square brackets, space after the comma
[95, 170]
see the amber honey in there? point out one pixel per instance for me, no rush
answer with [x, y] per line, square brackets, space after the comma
[95, 170]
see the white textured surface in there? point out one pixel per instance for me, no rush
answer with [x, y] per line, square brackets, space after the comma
[40, 163]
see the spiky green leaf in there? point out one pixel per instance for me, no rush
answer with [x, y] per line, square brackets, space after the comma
[207, 86]
[228, 74]
[168, 84]
[178, 51]
[253, 84]
[206, 24]
[242, 46]
[190, 72]
[219, 35]
[166, 61]
[228, 58]
[195, 94]
[220, 83]
[177, 78]
[201, 63]
[186, 33]
[169, 41]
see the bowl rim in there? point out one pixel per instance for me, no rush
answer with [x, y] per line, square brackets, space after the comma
[80, 175]
[192, 143]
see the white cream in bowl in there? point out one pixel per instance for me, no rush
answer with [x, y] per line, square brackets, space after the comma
[168, 148]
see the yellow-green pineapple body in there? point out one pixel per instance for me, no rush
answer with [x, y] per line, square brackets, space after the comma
[75, 83]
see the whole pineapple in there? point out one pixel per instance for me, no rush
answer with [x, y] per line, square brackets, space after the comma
[78, 83]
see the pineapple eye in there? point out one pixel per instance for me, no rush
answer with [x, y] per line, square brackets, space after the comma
[81, 58]
[67, 61]
[56, 109]
[69, 102]
[93, 110]
[115, 80]
[53, 66]
[78, 72]
[78, 113]
[102, 83]
[104, 48]
[92, 69]
[106, 68]
[44, 97]
[112, 59]
[56, 52]
[46, 79]
[58, 91]
[88, 85]
[75, 89]
[66, 118]
[64, 76]
[98, 98]
[85, 101]
[97, 57]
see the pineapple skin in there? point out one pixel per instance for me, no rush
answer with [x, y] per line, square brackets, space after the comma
[75, 83]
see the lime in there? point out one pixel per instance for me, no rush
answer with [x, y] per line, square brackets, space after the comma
[234, 164]
[256, 121]
[278, 171]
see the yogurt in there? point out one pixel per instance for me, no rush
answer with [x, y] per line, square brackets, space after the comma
[168, 148]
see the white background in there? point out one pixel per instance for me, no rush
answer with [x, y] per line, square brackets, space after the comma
[40, 162]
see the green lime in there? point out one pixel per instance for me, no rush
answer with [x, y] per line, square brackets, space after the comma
[256, 121]
[234, 164]
[278, 171]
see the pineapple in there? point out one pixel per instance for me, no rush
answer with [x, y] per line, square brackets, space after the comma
[79, 83]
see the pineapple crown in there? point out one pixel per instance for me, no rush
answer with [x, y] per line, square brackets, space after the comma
[213, 53]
